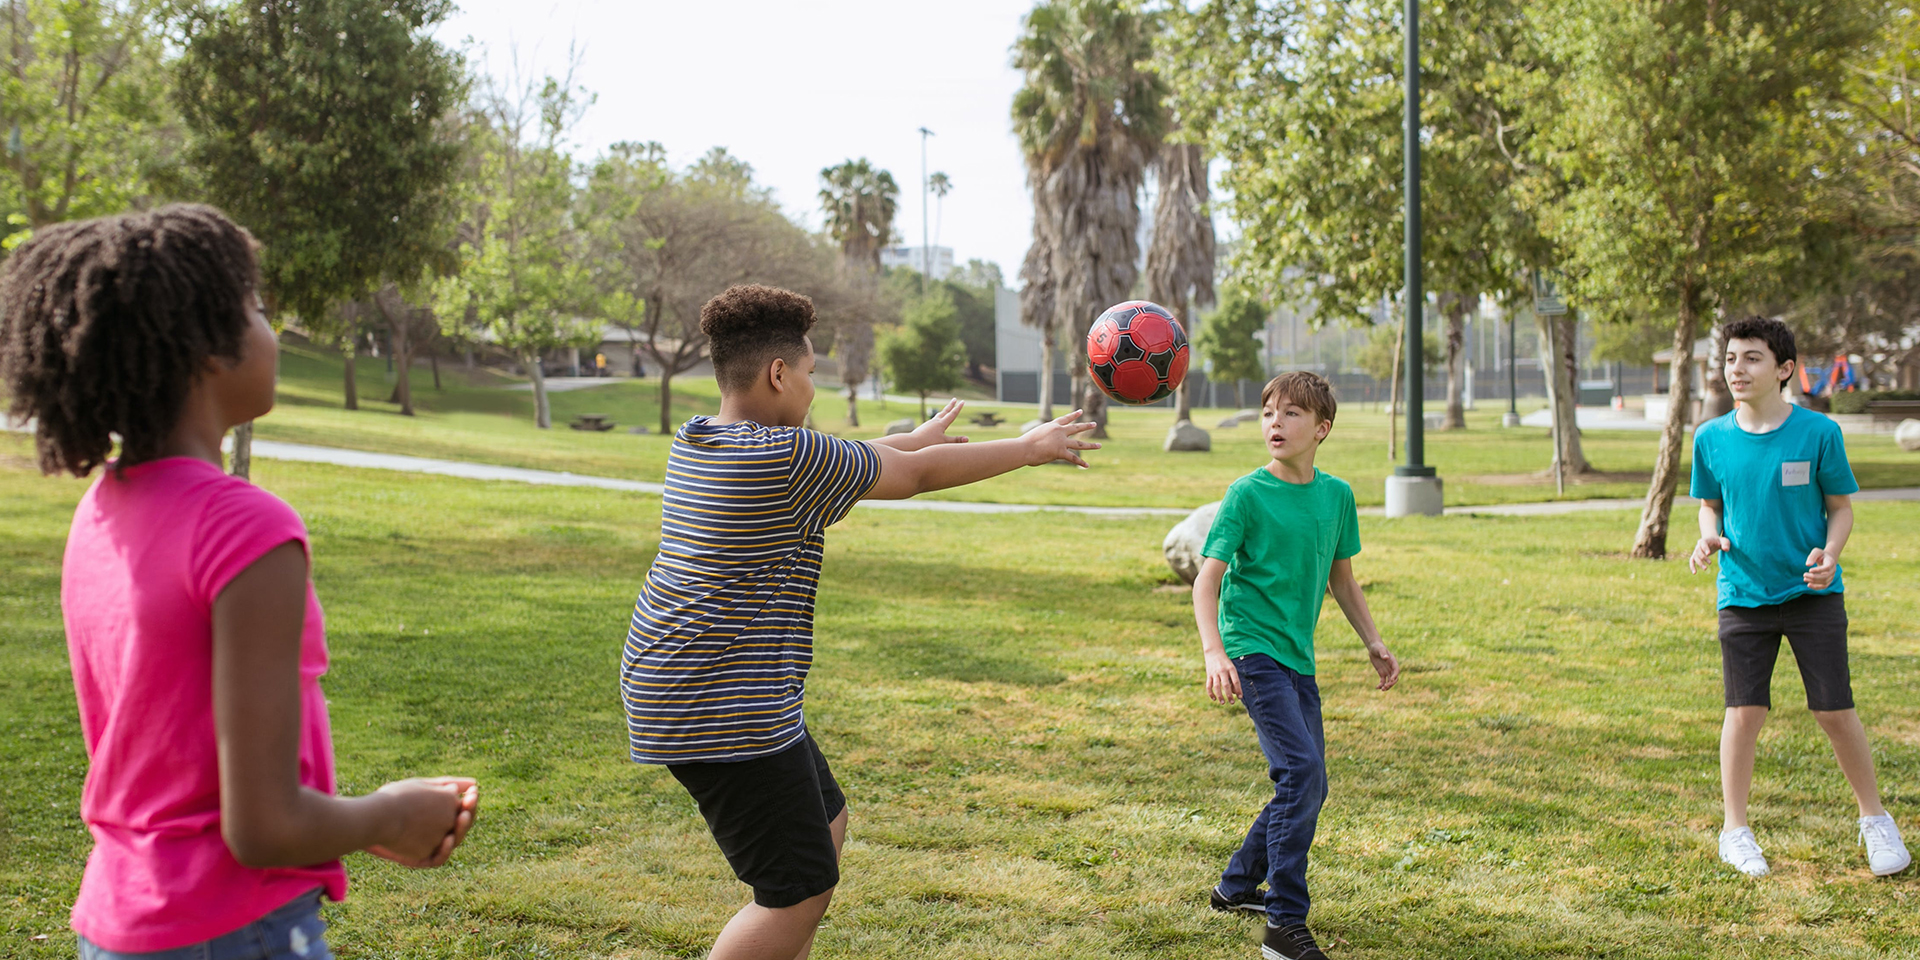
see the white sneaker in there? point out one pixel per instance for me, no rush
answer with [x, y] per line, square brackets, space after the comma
[1886, 854]
[1738, 847]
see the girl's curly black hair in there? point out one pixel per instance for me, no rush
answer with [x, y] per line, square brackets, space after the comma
[106, 323]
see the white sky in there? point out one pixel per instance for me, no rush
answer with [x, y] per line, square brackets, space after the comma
[794, 87]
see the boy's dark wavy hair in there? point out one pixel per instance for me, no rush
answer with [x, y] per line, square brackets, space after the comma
[750, 324]
[1778, 335]
[105, 324]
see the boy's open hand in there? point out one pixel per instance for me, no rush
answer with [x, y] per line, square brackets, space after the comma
[1384, 664]
[1059, 439]
[1824, 565]
[934, 431]
[435, 814]
[1223, 681]
[1703, 552]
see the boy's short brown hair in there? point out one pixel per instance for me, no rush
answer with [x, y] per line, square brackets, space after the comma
[1304, 389]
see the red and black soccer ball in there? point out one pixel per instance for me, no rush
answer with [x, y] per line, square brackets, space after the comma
[1137, 352]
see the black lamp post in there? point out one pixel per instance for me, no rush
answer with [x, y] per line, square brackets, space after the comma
[1414, 486]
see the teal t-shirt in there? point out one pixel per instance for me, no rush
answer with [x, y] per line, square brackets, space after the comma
[1772, 488]
[1279, 541]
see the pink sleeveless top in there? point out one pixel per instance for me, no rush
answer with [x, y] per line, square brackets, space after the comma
[149, 552]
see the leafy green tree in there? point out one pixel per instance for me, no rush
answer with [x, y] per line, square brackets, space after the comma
[84, 110]
[327, 128]
[925, 355]
[1225, 342]
[684, 237]
[524, 281]
[1379, 356]
[859, 201]
[1691, 135]
[1305, 103]
[1089, 116]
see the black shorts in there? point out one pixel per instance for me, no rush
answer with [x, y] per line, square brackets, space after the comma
[1816, 625]
[770, 816]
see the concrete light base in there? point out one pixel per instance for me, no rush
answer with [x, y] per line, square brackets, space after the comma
[1509, 419]
[1414, 496]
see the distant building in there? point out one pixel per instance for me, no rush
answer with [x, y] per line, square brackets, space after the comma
[937, 267]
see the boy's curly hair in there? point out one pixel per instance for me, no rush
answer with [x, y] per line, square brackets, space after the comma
[105, 324]
[1777, 335]
[749, 325]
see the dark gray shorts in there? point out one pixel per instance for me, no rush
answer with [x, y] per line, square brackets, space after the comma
[772, 817]
[1816, 625]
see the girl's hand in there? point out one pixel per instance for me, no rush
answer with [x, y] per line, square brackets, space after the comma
[1059, 439]
[1223, 681]
[430, 816]
[1384, 664]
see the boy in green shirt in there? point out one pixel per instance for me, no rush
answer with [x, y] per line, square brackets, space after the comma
[1284, 538]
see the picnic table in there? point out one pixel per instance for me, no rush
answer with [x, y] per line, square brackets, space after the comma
[599, 422]
[988, 418]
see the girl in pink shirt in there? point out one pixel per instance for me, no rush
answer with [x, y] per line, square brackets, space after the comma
[196, 641]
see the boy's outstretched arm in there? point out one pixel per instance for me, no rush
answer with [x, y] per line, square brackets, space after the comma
[1353, 602]
[1223, 680]
[905, 473]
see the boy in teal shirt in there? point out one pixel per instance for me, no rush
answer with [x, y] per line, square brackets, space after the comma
[1774, 485]
[1284, 538]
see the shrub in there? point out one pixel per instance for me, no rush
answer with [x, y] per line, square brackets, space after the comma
[1856, 402]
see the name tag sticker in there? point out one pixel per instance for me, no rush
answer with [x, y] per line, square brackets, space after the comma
[1796, 473]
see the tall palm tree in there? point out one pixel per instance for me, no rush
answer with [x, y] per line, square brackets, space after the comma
[859, 202]
[941, 185]
[1089, 119]
[1180, 255]
[1036, 309]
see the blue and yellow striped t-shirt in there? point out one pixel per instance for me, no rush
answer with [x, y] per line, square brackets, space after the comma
[718, 649]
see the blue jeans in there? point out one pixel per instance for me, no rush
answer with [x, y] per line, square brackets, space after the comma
[1285, 709]
[293, 932]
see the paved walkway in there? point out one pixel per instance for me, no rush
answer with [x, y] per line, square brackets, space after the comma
[274, 450]
[300, 452]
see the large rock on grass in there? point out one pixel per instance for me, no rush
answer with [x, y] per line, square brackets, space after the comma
[1907, 435]
[902, 425]
[1185, 436]
[1185, 541]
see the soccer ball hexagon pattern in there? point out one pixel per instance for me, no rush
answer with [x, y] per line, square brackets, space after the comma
[1137, 352]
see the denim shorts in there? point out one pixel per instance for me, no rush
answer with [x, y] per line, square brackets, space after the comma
[293, 932]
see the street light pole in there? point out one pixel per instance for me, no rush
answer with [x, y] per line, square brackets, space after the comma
[1414, 487]
[926, 251]
[1512, 419]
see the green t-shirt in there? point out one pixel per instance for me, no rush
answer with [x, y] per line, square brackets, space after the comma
[1279, 541]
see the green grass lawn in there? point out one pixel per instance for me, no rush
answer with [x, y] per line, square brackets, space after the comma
[1033, 769]
[488, 424]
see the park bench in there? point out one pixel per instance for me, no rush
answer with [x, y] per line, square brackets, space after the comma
[592, 421]
[1893, 410]
[988, 418]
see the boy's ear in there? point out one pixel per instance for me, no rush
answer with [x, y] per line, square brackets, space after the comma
[776, 374]
[1786, 371]
[1321, 430]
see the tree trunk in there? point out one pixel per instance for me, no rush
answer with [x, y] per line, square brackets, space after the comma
[1393, 394]
[352, 388]
[242, 460]
[1719, 398]
[433, 358]
[1456, 361]
[400, 338]
[923, 406]
[666, 401]
[1558, 362]
[1046, 376]
[542, 416]
[853, 404]
[1182, 395]
[1650, 541]
[1093, 403]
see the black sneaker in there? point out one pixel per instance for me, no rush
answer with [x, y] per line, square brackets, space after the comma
[1252, 902]
[1291, 942]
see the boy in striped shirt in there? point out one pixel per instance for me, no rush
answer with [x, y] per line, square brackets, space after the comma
[717, 651]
